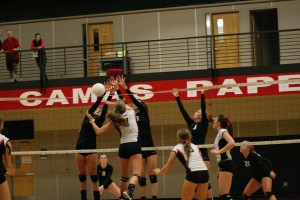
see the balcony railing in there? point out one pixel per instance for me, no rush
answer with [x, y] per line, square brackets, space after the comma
[177, 54]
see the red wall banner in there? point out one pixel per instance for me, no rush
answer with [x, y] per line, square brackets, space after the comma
[157, 91]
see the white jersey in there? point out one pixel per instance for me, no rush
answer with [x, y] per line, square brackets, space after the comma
[195, 163]
[219, 143]
[129, 133]
[3, 143]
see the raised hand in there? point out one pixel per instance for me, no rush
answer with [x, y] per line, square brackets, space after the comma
[175, 92]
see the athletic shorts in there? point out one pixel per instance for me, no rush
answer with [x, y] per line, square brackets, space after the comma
[198, 176]
[259, 175]
[2, 179]
[204, 154]
[227, 166]
[108, 182]
[10, 64]
[146, 154]
[126, 150]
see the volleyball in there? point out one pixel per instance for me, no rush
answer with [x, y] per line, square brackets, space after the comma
[98, 89]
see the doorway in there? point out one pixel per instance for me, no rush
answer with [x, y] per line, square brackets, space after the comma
[100, 39]
[265, 37]
[225, 42]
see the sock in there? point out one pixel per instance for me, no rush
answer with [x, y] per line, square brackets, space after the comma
[154, 197]
[96, 195]
[83, 195]
[143, 198]
[131, 187]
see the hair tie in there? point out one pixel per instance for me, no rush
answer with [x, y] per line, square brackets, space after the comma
[228, 122]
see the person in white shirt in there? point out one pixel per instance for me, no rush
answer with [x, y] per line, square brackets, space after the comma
[196, 171]
[130, 151]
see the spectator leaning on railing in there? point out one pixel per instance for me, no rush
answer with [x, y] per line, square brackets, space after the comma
[10, 47]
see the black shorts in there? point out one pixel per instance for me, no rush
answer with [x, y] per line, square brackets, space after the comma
[10, 64]
[204, 154]
[2, 179]
[85, 154]
[227, 166]
[109, 181]
[259, 175]
[198, 176]
[146, 154]
[126, 150]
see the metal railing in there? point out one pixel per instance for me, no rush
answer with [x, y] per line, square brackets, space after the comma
[177, 54]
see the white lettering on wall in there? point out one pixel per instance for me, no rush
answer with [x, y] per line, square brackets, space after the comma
[195, 84]
[229, 89]
[25, 102]
[142, 89]
[285, 87]
[253, 89]
[57, 96]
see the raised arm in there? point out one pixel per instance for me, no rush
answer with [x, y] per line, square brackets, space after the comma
[185, 115]
[203, 109]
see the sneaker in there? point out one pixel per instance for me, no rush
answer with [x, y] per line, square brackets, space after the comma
[128, 195]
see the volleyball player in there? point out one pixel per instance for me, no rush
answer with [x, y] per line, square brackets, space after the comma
[198, 125]
[87, 140]
[123, 120]
[104, 172]
[222, 145]
[262, 172]
[6, 167]
[196, 171]
[149, 157]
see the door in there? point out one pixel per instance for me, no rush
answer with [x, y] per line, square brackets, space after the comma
[265, 37]
[23, 181]
[99, 35]
[226, 47]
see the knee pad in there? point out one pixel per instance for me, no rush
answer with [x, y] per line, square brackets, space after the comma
[153, 178]
[245, 197]
[142, 181]
[225, 197]
[94, 178]
[124, 179]
[82, 178]
[209, 186]
[268, 195]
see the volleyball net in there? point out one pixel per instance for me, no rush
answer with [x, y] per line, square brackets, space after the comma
[44, 130]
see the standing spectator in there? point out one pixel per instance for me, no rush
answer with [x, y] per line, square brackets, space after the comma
[149, 157]
[87, 140]
[223, 143]
[196, 171]
[11, 46]
[123, 120]
[104, 172]
[6, 167]
[262, 172]
[198, 125]
[38, 45]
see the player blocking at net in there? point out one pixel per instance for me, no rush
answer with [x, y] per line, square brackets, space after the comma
[87, 140]
[123, 120]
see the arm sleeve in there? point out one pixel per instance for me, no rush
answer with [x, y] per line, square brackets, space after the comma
[32, 46]
[120, 95]
[134, 100]
[265, 161]
[183, 111]
[203, 111]
[96, 104]
[108, 176]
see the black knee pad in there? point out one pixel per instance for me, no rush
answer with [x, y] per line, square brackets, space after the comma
[268, 195]
[209, 186]
[225, 197]
[142, 181]
[82, 178]
[245, 197]
[153, 178]
[94, 178]
[124, 179]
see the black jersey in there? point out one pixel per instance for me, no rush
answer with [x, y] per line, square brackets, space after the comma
[257, 163]
[3, 144]
[143, 121]
[87, 135]
[198, 129]
[104, 175]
